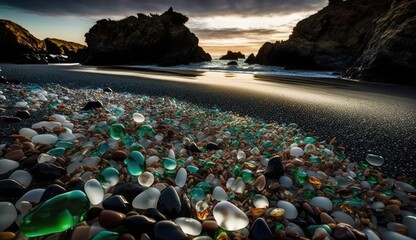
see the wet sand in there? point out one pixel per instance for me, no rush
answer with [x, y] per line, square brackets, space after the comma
[365, 117]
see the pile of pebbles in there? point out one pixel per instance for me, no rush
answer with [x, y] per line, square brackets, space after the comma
[106, 165]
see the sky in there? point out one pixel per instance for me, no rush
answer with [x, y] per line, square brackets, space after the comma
[220, 25]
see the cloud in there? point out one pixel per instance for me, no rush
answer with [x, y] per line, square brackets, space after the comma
[233, 33]
[104, 8]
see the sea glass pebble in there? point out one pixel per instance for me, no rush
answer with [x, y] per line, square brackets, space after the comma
[94, 191]
[296, 152]
[47, 125]
[147, 199]
[260, 201]
[146, 179]
[405, 186]
[189, 226]
[374, 160]
[22, 176]
[343, 217]
[45, 139]
[180, 179]
[229, 217]
[108, 177]
[322, 202]
[28, 132]
[410, 223]
[290, 211]
[32, 196]
[56, 214]
[138, 117]
[219, 194]
[7, 165]
[7, 216]
[136, 164]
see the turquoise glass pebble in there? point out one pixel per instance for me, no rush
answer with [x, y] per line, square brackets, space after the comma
[117, 131]
[145, 130]
[108, 177]
[136, 164]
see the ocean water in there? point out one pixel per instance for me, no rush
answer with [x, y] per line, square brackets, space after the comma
[217, 65]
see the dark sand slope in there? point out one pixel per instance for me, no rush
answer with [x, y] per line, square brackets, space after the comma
[365, 117]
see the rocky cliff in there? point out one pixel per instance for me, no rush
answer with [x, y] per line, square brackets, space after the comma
[154, 39]
[15, 41]
[372, 40]
[18, 45]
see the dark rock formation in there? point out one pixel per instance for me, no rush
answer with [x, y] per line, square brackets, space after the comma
[251, 59]
[232, 63]
[373, 40]
[18, 45]
[15, 42]
[162, 40]
[232, 56]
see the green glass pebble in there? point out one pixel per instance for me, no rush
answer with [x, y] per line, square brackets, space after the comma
[279, 227]
[56, 215]
[235, 143]
[104, 147]
[255, 151]
[259, 133]
[136, 164]
[197, 193]
[266, 154]
[53, 105]
[389, 193]
[356, 191]
[180, 162]
[308, 194]
[298, 140]
[236, 169]
[169, 163]
[192, 169]
[216, 156]
[145, 130]
[117, 131]
[205, 186]
[308, 140]
[314, 159]
[108, 177]
[311, 228]
[356, 202]
[118, 111]
[363, 165]
[329, 189]
[267, 144]
[301, 177]
[293, 170]
[101, 127]
[336, 200]
[106, 235]
[171, 174]
[128, 140]
[136, 146]
[64, 144]
[58, 151]
[361, 176]
[248, 176]
[158, 175]
[208, 165]
[372, 180]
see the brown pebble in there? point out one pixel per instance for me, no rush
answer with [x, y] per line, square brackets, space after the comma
[210, 226]
[127, 236]
[7, 235]
[343, 232]
[21, 138]
[119, 155]
[395, 202]
[110, 219]
[81, 233]
[15, 155]
[325, 218]
[394, 209]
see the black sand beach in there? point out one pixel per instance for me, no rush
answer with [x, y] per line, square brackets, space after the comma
[365, 117]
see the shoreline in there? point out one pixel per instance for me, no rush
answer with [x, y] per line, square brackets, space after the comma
[381, 124]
